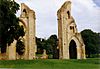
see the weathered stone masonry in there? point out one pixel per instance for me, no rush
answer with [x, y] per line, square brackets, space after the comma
[71, 45]
[68, 35]
[27, 19]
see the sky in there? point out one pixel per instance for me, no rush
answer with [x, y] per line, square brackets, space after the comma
[85, 12]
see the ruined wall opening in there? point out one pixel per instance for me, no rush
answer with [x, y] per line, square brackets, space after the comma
[72, 50]
[20, 44]
[25, 12]
[68, 13]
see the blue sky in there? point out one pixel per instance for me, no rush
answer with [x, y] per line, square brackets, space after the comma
[85, 12]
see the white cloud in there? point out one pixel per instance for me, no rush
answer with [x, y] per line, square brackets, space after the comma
[85, 13]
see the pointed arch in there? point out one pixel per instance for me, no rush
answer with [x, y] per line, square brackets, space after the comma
[72, 50]
[21, 20]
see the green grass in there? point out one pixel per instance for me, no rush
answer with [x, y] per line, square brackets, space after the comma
[51, 64]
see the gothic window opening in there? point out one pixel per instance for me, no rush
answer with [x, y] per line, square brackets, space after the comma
[72, 28]
[68, 14]
[24, 11]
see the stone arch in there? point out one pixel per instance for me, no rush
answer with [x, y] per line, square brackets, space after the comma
[72, 50]
[78, 47]
[24, 24]
[75, 38]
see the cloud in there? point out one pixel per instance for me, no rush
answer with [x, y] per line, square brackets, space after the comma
[97, 2]
[86, 14]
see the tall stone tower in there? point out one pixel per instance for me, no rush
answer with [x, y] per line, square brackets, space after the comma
[28, 17]
[71, 45]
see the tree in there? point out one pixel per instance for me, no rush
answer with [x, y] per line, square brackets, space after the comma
[92, 42]
[39, 44]
[20, 47]
[53, 42]
[9, 24]
[50, 45]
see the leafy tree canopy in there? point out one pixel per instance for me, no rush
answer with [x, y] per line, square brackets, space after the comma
[9, 23]
[50, 45]
[92, 42]
[20, 47]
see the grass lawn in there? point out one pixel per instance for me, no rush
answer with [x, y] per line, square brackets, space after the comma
[51, 64]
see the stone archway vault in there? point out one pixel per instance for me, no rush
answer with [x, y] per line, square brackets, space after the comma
[72, 50]
[79, 47]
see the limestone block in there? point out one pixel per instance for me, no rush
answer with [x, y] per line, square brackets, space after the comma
[12, 51]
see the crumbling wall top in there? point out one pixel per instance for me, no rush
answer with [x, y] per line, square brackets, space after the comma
[26, 11]
[64, 6]
[24, 6]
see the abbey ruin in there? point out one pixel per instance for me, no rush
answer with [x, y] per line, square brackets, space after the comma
[70, 44]
[27, 20]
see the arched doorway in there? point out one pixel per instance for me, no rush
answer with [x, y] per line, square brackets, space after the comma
[72, 50]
